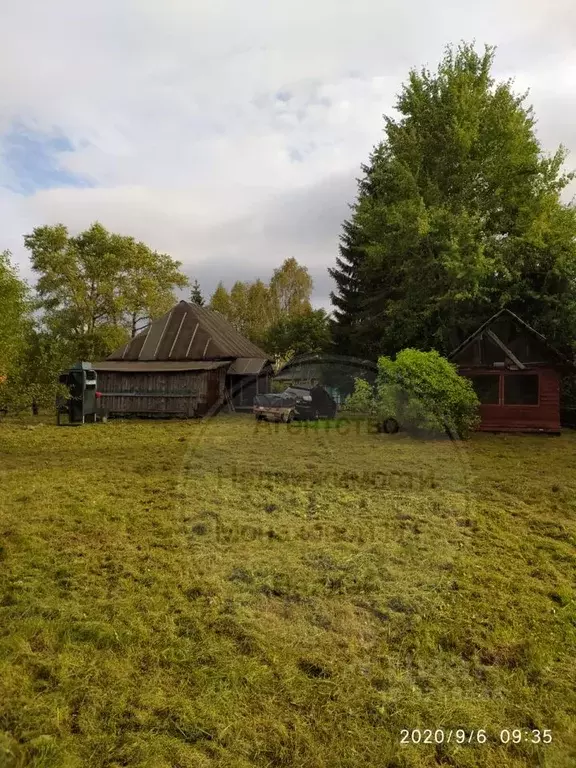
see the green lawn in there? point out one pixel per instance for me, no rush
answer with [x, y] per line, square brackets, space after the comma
[224, 593]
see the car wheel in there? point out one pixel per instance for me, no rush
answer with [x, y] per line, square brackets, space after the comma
[391, 426]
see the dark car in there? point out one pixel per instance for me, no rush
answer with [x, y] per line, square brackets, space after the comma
[295, 403]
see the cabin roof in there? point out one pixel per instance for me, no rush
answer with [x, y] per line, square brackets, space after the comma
[555, 355]
[189, 332]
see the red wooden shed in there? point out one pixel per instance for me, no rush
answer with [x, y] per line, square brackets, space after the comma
[516, 375]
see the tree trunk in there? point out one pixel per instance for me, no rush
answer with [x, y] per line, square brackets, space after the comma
[34, 408]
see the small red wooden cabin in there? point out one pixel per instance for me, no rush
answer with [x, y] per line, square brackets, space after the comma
[516, 375]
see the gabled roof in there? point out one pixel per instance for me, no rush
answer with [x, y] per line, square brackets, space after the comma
[188, 332]
[528, 328]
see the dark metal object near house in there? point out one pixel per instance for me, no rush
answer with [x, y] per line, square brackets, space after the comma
[82, 406]
[296, 403]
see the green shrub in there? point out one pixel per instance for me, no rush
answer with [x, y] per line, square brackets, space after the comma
[424, 390]
[362, 399]
[421, 390]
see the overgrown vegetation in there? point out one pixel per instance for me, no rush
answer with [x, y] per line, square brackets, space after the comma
[228, 593]
[420, 390]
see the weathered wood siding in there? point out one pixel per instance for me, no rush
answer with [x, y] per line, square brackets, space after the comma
[182, 393]
[523, 418]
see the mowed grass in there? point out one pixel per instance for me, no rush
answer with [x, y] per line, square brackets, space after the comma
[223, 593]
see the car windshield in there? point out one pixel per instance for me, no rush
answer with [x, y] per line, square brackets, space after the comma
[299, 394]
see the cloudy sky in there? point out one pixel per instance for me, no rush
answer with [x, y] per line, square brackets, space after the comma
[229, 134]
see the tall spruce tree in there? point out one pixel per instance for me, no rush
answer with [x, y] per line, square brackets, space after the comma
[347, 297]
[459, 213]
[196, 296]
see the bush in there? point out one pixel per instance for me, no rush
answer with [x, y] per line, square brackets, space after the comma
[362, 399]
[422, 391]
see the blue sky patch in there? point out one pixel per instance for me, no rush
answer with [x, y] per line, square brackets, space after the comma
[29, 161]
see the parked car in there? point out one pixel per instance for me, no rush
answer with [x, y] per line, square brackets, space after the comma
[274, 407]
[295, 403]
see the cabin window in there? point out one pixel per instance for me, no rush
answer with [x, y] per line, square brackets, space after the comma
[487, 388]
[521, 389]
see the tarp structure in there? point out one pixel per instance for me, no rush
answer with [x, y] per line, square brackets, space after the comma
[275, 400]
[313, 398]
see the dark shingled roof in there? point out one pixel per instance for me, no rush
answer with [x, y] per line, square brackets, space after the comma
[189, 332]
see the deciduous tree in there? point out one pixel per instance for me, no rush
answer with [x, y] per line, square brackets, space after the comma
[254, 307]
[97, 287]
[459, 213]
[259, 311]
[305, 333]
[14, 315]
[15, 322]
[220, 301]
[291, 288]
[239, 306]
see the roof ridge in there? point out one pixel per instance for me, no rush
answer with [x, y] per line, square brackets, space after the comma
[220, 339]
[515, 317]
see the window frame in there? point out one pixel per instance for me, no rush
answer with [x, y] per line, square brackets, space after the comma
[498, 376]
[501, 388]
[521, 405]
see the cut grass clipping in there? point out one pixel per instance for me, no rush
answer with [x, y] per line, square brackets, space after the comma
[231, 594]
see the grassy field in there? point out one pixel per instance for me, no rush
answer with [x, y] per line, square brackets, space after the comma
[230, 594]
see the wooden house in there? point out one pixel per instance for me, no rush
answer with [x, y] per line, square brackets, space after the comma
[516, 374]
[190, 362]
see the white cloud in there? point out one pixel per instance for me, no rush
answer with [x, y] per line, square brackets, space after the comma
[229, 134]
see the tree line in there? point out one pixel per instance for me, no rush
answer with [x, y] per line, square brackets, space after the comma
[458, 213]
[97, 289]
[278, 316]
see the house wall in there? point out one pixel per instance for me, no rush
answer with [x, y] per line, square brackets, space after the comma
[510, 418]
[182, 393]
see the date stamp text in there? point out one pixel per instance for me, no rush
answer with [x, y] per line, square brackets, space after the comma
[480, 736]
